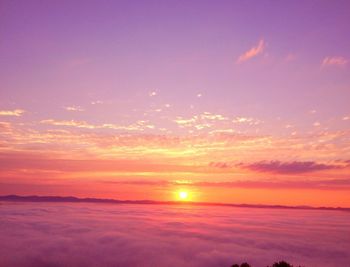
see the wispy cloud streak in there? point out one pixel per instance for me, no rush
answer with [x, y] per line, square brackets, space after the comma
[253, 52]
[15, 112]
[294, 167]
[334, 61]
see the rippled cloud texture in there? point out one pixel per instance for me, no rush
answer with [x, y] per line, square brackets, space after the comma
[54, 235]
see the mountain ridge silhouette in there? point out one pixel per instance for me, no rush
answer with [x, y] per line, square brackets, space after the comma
[72, 199]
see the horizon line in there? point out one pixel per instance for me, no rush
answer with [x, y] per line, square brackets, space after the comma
[72, 199]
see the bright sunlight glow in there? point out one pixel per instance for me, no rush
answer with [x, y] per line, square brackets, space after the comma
[183, 195]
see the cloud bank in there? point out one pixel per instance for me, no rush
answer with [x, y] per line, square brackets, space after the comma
[43, 234]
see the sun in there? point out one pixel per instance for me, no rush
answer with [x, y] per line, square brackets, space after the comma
[183, 195]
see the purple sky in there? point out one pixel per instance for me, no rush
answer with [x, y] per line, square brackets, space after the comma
[72, 52]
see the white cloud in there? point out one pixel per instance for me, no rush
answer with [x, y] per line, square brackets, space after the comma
[74, 108]
[247, 120]
[137, 126]
[16, 112]
[96, 102]
[152, 93]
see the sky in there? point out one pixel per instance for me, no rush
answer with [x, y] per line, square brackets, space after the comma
[229, 101]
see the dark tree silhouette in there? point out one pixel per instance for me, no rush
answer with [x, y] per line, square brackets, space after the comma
[276, 264]
[281, 264]
[244, 264]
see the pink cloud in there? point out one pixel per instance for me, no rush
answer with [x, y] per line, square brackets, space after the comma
[334, 61]
[253, 52]
[290, 57]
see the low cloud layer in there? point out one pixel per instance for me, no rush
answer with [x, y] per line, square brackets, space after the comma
[43, 234]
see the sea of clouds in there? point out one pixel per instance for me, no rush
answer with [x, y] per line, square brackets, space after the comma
[89, 235]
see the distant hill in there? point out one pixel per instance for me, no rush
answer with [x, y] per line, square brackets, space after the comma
[15, 198]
